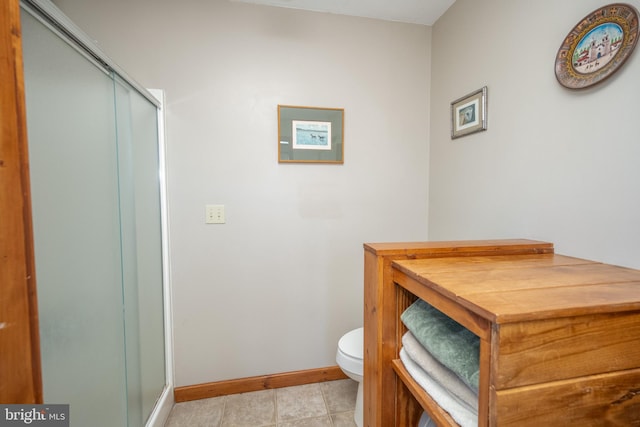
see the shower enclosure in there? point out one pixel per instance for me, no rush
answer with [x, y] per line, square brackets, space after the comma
[98, 226]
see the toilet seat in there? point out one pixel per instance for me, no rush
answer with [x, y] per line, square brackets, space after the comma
[351, 351]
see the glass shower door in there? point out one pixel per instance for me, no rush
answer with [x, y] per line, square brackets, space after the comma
[141, 242]
[74, 186]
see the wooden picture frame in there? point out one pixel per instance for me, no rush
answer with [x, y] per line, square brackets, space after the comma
[310, 134]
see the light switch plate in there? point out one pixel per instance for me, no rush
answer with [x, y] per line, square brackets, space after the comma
[214, 214]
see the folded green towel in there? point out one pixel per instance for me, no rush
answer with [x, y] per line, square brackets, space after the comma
[448, 341]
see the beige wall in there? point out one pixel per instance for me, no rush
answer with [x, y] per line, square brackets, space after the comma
[274, 288]
[554, 164]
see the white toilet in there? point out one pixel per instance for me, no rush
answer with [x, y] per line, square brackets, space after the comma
[349, 358]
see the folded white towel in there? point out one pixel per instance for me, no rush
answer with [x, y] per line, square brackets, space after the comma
[440, 373]
[458, 412]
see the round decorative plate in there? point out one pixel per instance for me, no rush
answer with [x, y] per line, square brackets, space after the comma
[597, 46]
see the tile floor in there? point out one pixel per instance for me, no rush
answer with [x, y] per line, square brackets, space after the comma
[327, 404]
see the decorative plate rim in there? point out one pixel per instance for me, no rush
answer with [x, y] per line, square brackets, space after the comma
[625, 16]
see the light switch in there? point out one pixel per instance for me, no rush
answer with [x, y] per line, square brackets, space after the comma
[214, 214]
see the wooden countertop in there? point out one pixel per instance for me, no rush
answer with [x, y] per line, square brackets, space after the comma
[514, 288]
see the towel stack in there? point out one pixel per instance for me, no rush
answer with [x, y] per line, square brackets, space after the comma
[442, 356]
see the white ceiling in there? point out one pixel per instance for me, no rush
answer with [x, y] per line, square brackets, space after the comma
[424, 12]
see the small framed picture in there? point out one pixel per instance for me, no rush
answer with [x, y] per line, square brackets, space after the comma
[310, 135]
[469, 114]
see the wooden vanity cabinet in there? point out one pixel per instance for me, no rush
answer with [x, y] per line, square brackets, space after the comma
[559, 336]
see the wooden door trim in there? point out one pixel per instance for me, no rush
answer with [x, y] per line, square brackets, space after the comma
[20, 368]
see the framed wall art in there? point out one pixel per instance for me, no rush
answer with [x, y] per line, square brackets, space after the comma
[310, 135]
[469, 114]
[597, 46]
